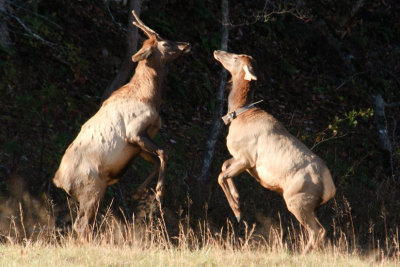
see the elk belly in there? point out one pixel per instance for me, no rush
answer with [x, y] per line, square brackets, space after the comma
[268, 180]
[118, 156]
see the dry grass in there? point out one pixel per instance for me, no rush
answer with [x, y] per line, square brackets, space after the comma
[110, 255]
[116, 243]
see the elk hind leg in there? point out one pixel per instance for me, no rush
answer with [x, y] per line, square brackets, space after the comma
[89, 197]
[302, 206]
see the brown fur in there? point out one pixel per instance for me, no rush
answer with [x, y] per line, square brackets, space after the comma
[120, 131]
[239, 92]
[260, 145]
[142, 86]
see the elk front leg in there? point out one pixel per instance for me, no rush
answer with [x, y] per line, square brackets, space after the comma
[152, 159]
[231, 185]
[146, 144]
[230, 169]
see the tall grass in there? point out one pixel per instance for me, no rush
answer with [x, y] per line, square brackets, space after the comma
[114, 242]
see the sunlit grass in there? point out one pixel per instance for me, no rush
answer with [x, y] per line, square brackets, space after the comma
[116, 243]
[37, 254]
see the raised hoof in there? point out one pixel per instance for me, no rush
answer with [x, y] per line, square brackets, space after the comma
[238, 218]
[159, 195]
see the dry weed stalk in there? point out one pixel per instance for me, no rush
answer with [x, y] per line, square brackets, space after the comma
[154, 234]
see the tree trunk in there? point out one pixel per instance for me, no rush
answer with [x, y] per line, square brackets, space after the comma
[127, 66]
[203, 181]
[379, 107]
[5, 40]
[384, 140]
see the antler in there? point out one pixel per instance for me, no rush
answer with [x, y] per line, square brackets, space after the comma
[138, 23]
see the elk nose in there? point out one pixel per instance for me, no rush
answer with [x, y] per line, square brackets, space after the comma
[184, 47]
[217, 54]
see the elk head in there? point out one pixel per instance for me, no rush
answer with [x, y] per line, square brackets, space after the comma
[156, 48]
[241, 65]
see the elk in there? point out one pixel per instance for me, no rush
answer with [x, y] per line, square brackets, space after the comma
[121, 130]
[261, 145]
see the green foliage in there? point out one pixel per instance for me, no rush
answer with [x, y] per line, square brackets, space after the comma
[350, 120]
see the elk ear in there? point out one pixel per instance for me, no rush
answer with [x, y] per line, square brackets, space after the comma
[249, 73]
[142, 54]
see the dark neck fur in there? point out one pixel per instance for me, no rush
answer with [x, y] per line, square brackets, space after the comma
[239, 95]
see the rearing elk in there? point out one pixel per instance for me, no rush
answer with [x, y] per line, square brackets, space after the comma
[120, 131]
[261, 146]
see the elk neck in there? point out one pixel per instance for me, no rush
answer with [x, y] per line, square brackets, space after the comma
[146, 83]
[239, 94]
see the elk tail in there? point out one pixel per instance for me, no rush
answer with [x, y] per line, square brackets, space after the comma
[329, 187]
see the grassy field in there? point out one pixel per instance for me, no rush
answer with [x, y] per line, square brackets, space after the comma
[109, 255]
[113, 243]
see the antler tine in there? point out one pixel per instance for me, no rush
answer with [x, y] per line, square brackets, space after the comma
[138, 23]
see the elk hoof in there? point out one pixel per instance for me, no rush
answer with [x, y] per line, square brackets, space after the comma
[158, 196]
[238, 217]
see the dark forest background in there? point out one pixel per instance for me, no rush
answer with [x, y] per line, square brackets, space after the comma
[328, 70]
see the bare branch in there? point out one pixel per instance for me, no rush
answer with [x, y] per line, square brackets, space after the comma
[114, 20]
[30, 32]
[127, 65]
[326, 140]
[12, 3]
[391, 105]
[349, 20]
[270, 10]
[336, 44]
[349, 79]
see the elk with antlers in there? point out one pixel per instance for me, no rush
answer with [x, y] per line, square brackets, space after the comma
[261, 146]
[120, 131]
